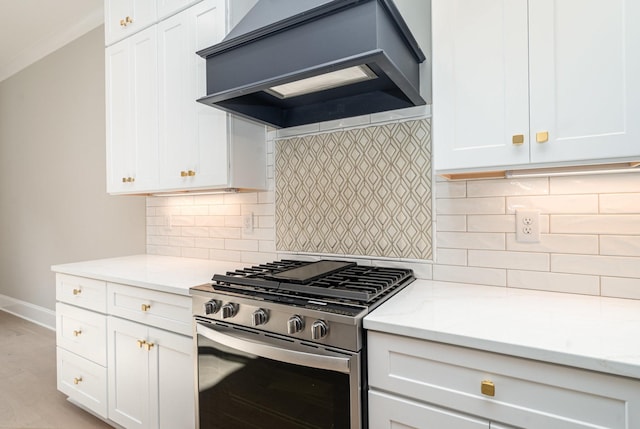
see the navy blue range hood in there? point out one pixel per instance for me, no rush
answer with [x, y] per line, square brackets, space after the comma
[295, 62]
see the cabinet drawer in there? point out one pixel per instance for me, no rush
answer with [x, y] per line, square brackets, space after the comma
[387, 411]
[528, 393]
[82, 332]
[158, 309]
[83, 381]
[81, 291]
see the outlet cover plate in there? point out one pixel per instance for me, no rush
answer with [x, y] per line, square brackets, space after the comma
[528, 226]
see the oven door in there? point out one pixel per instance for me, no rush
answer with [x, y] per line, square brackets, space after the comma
[247, 379]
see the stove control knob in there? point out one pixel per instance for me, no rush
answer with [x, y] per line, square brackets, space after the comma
[229, 310]
[211, 307]
[259, 317]
[319, 329]
[295, 324]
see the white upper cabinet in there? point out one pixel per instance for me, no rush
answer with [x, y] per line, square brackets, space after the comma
[122, 18]
[547, 82]
[132, 113]
[167, 8]
[159, 138]
[191, 153]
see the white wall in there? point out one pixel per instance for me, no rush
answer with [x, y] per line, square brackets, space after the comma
[53, 202]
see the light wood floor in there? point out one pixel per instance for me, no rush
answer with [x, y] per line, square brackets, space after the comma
[28, 395]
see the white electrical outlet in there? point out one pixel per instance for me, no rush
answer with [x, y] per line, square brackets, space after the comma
[528, 226]
[247, 223]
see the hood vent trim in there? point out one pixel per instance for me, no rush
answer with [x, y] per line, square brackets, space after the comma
[325, 37]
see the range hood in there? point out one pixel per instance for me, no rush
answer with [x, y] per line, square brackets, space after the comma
[295, 62]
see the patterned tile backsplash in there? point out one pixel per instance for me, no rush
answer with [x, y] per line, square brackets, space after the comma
[590, 225]
[364, 192]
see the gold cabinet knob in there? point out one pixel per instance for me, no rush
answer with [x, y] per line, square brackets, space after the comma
[488, 388]
[542, 136]
[123, 23]
[517, 139]
[145, 307]
[128, 20]
[183, 174]
[77, 333]
[77, 291]
[77, 380]
[191, 173]
[148, 346]
[141, 343]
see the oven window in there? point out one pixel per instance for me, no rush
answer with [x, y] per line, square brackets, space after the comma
[242, 391]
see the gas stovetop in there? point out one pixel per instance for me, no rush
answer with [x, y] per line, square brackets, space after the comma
[321, 302]
[322, 280]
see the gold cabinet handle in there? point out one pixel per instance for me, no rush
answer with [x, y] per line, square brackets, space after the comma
[77, 292]
[77, 333]
[191, 173]
[488, 388]
[517, 139]
[141, 343]
[145, 307]
[126, 21]
[128, 179]
[542, 136]
[148, 346]
[77, 380]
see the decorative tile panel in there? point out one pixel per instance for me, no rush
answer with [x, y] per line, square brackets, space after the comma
[364, 191]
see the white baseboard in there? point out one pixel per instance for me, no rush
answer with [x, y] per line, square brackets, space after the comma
[31, 312]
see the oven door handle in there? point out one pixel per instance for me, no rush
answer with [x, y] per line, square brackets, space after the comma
[294, 357]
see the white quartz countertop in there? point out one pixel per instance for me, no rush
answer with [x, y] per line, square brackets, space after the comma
[163, 273]
[596, 333]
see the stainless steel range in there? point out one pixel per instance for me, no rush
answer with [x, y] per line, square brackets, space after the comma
[281, 345]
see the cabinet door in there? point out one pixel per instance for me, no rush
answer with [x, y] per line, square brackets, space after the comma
[390, 412]
[122, 18]
[167, 8]
[128, 374]
[172, 380]
[585, 79]
[480, 83]
[193, 137]
[132, 113]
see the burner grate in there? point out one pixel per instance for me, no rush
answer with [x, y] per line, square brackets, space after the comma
[362, 284]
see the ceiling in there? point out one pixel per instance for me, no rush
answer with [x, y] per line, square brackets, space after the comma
[32, 29]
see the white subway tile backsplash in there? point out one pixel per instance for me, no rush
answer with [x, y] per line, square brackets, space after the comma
[451, 189]
[242, 245]
[241, 198]
[617, 266]
[620, 203]
[451, 256]
[225, 210]
[596, 224]
[224, 232]
[557, 243]
[451, 223]
[555, 203]
[596, 184]
[620, 245]
[206, 221]
[508, 187]
[490, 223]
[209, 243]
[467, 206]
[470, 240]
[620, 287]
[195, 210]
[506, 259]
[474, 275]
[554, 282]
[182, 241]
[225, 255]
[195, 231]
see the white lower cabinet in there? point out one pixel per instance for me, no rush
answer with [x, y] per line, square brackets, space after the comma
[421, 384]
[388, 411]
[131, 362]
[150, 376]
